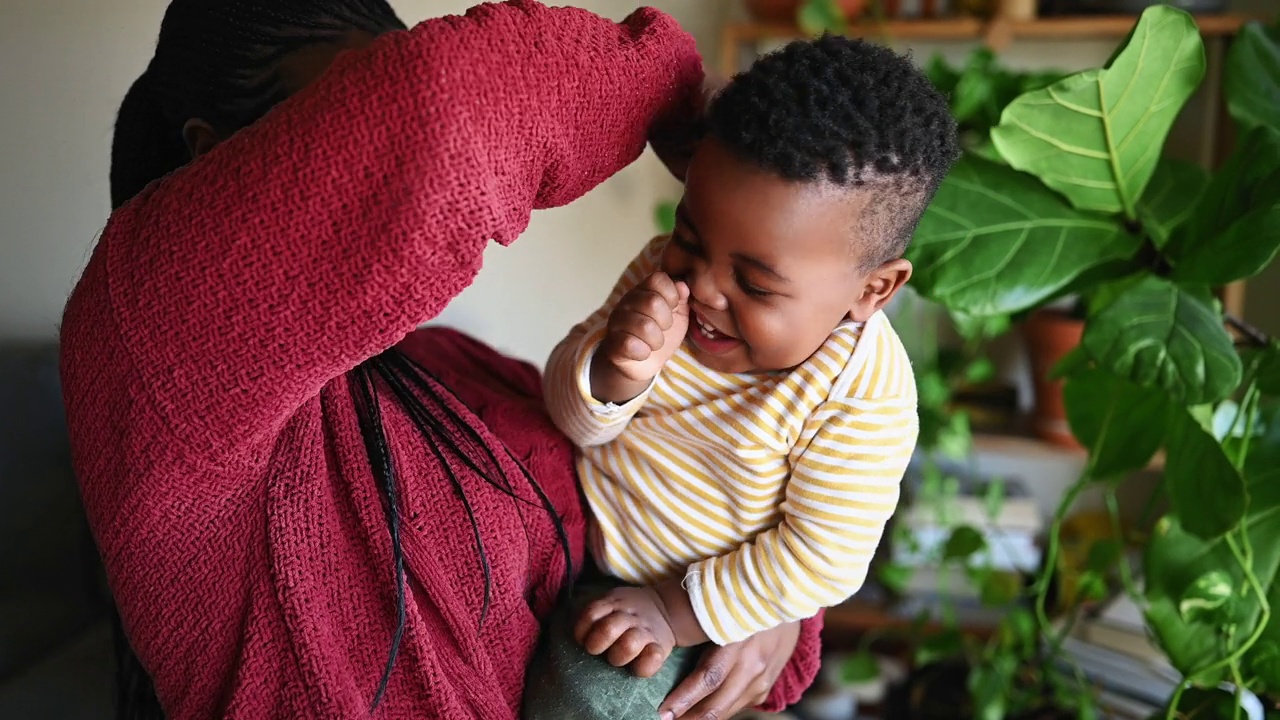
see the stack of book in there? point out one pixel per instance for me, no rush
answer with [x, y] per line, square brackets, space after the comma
[1111, 647]
[1010, 546]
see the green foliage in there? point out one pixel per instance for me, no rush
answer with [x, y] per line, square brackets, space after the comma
[1076, 199]
[816, 17]
[995, 242]
[1158, 335]
[664, 217]
[1096, 136]
[859, 668]
[1253, 77]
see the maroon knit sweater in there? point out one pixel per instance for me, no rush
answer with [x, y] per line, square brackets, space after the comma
[207, 350]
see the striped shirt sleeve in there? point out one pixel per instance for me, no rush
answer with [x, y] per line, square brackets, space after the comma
[567, 381]
[842, 490]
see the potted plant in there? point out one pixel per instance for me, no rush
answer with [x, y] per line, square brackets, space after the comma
[1081, 203]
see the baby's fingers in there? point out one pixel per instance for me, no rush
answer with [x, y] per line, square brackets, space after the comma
[588, 618]
[622, 346]
[629, 646]
[670, 290]
[606, 631]
[650, 661]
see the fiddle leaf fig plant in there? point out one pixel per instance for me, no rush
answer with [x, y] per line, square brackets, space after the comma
[1079, 201]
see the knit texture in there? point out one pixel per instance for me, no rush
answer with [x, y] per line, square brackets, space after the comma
[207, 346]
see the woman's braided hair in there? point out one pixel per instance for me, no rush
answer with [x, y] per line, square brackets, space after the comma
[216, 60]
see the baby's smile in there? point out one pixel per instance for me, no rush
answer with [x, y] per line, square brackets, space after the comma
[708, 338]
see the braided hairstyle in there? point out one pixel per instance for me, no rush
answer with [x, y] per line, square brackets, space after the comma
[847, 112]
[218, 61]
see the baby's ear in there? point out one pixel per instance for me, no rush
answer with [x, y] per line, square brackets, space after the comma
[879, 287]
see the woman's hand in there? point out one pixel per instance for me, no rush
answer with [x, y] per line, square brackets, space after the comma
[733, 678]
[675, 138]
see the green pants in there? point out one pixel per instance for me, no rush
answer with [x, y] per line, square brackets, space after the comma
[565, 683]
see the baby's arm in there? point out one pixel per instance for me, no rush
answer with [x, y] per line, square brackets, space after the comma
[843, 488]
[599, 376]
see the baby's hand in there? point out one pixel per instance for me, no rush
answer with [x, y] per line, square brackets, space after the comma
[629, 626]
[644, 331]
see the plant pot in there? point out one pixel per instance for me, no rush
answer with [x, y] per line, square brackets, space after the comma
[938, 691]
[1050, 336]
[783, 12]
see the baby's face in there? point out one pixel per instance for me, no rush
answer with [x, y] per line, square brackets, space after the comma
[773, 266]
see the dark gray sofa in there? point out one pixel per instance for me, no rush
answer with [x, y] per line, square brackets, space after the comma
[55, 642]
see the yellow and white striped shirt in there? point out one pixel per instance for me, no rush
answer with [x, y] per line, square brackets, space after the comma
[770, 493]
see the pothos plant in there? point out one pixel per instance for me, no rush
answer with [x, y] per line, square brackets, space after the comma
[1080, 202]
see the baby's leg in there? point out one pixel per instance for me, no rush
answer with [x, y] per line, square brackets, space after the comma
[565, 683]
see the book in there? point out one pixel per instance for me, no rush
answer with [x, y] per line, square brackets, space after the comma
[1006, 550]
[1119, 625]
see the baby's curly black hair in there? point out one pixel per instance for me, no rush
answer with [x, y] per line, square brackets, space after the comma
[847, 112]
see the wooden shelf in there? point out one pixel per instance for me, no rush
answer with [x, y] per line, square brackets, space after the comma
[855, 617]
[996, 32]
[1034, 447]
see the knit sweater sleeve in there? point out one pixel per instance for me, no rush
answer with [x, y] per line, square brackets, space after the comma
[356, 210]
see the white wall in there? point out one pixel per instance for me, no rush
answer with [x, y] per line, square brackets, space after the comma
[65, 65]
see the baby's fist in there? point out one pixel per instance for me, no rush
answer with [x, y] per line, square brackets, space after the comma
[628, 626]
[646, 328]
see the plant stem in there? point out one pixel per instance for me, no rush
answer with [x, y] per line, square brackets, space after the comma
[1245, 558]
[1126, 573]
[1254, 335]
[1239, 694]
[1176, 700]
[1041, 587]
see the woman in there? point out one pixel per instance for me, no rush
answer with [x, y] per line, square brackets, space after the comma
[307, 508]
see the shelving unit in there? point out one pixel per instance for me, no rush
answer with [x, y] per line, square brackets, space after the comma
[996, 33]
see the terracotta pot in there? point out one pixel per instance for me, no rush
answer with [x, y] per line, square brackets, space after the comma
[1050, 336]
[784, 11]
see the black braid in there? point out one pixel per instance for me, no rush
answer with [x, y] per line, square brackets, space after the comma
[440, 425]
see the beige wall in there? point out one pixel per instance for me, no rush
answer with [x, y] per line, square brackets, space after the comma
[65, 64]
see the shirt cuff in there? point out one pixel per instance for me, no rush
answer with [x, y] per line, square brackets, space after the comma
[701, 599]
[603, 409]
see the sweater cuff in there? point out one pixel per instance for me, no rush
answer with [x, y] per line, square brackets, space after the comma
[799, 673]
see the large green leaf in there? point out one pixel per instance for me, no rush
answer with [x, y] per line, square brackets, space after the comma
[1096, 136]
[1122, 424]
[1241, 251]
[1205, 489]
[1176, 560]
[1161, 336]
[1252, 78]
[1248, 181]
[995, 242]
[1170, 198]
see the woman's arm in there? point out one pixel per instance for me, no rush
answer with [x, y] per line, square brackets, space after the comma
[355, 211]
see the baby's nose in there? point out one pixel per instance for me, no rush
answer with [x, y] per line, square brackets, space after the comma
[703, 290]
